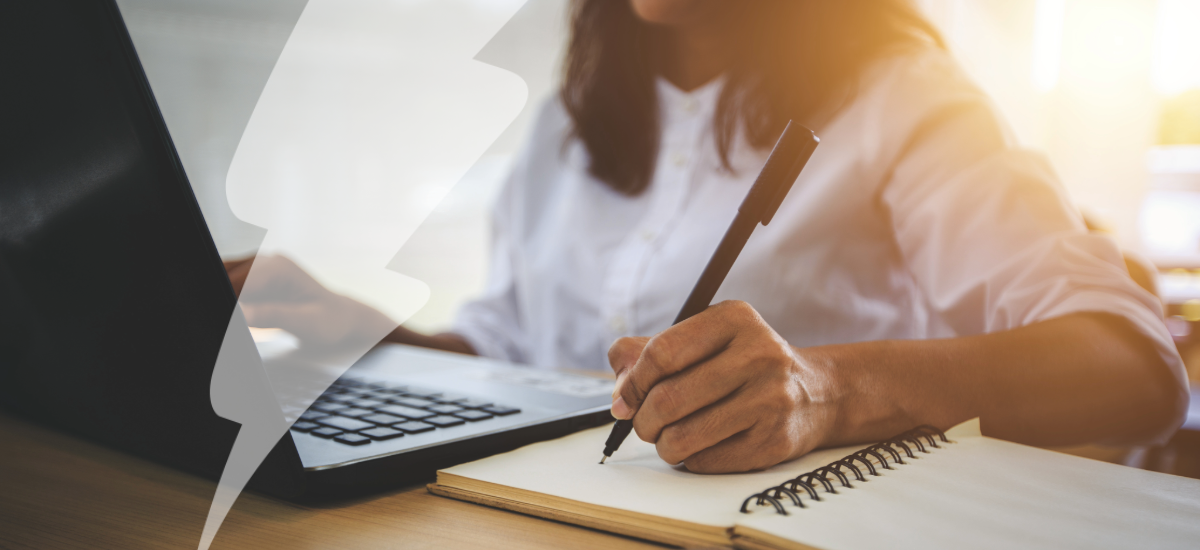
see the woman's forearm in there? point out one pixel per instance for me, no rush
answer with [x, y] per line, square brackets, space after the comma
[446, 341]
[1075, 379]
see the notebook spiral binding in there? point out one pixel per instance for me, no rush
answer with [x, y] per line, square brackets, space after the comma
[896, 448]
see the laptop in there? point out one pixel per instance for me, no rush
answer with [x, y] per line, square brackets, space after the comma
[114, 302]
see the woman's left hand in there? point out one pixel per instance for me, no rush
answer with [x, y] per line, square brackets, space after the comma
[723, 392]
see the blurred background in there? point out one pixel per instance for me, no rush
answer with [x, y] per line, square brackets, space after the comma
[1109, 90]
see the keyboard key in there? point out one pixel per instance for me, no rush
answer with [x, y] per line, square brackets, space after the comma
[473, 416]
[304, 426]
[378, 395]
[414, 427]
[406, 412]
[383, 419]
[501, 410]
[312, 416]
[414, 402]
[354, 412]
[445, 409]
[421, 393]
[367, 403]
[382, 434]
[389, 388]
[473, 403]
[326, 433]
[340, 397]
[345, 424]
[445, 421]
[329, 407]
[352, 439]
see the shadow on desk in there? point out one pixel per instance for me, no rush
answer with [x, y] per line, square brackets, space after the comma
[63, 492]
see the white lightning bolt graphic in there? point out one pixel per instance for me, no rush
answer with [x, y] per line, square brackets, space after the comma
[374, 110]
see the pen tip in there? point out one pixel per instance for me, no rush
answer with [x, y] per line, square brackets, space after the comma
[602, 459]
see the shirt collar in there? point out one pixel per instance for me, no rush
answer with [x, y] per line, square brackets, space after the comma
[700, 100]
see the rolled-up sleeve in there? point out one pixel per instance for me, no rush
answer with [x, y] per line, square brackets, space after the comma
[992, 240]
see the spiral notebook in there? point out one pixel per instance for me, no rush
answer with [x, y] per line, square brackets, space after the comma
[921, 489]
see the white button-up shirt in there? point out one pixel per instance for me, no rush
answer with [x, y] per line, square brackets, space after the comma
[916, 217]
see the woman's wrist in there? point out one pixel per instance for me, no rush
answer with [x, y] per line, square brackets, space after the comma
[852, 379]
[829, 397]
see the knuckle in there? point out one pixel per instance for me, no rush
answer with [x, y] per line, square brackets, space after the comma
[675, 444]
[618, 350]
[769, 352]
[657, 353]
[634, 391]
[738, 310]
[643, 434]
[644, 428]
[664, 399]
[712, 461]
[779, 401]
[650, 369]
[699, 464]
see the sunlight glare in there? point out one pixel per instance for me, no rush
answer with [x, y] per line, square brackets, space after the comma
[1177, 46]
[1047, 43]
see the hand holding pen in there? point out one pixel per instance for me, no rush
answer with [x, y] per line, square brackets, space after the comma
[678, 389]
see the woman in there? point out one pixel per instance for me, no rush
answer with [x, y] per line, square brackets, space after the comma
[922, 271]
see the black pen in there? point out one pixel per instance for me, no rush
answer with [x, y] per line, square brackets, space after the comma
[787, 159]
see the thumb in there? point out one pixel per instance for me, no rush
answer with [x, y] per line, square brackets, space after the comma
[623, 353]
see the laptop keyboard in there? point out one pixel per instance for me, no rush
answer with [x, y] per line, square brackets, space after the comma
[356, 412]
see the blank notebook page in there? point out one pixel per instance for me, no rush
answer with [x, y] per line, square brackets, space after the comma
[986, 493]
[635, 479]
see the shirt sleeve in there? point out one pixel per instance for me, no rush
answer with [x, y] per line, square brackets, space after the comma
[989, 235]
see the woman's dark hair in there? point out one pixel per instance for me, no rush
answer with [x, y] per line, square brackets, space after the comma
[793, 59]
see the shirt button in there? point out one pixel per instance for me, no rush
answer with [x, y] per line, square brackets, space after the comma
[678, 159]
[647, 235]
[617, 324]
[690, 105]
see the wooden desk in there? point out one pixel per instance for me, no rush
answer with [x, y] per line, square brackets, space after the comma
[57, 491]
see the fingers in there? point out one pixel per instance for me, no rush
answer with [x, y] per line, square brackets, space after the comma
[625, 351]
[687, 392]
[233, 264]
[739, 433]
[237, 271]
[719, 392]
[622, 355]
[297, 319]
[703, 429]
[278, 278]
[677, 348]
[755, 449]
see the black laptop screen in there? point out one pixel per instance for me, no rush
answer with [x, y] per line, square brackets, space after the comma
[113, 301]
